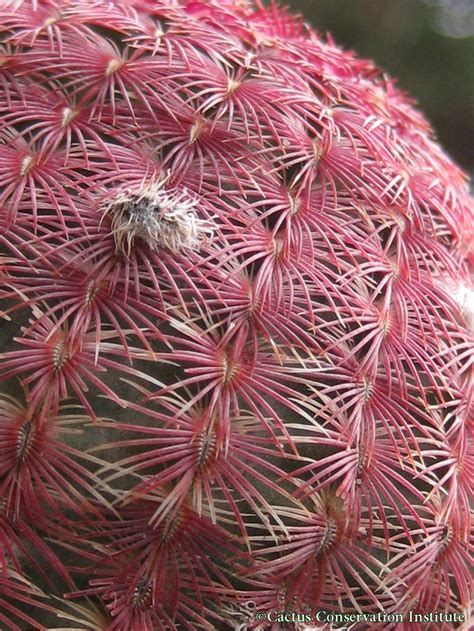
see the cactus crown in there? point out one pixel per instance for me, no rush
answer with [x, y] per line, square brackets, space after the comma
[235, 372]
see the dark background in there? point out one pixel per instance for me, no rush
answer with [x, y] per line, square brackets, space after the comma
[427, 44]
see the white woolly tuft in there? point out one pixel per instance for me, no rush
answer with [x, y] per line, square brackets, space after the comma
[162, 218]
[464, 296]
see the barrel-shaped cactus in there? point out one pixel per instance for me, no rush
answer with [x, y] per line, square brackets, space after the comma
[236, 344]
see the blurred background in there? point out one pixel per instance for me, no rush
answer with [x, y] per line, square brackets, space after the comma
[427, 44]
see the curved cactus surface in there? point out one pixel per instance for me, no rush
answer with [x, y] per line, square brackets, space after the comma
[236, 312]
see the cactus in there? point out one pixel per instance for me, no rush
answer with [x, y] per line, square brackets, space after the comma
[236, 342]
